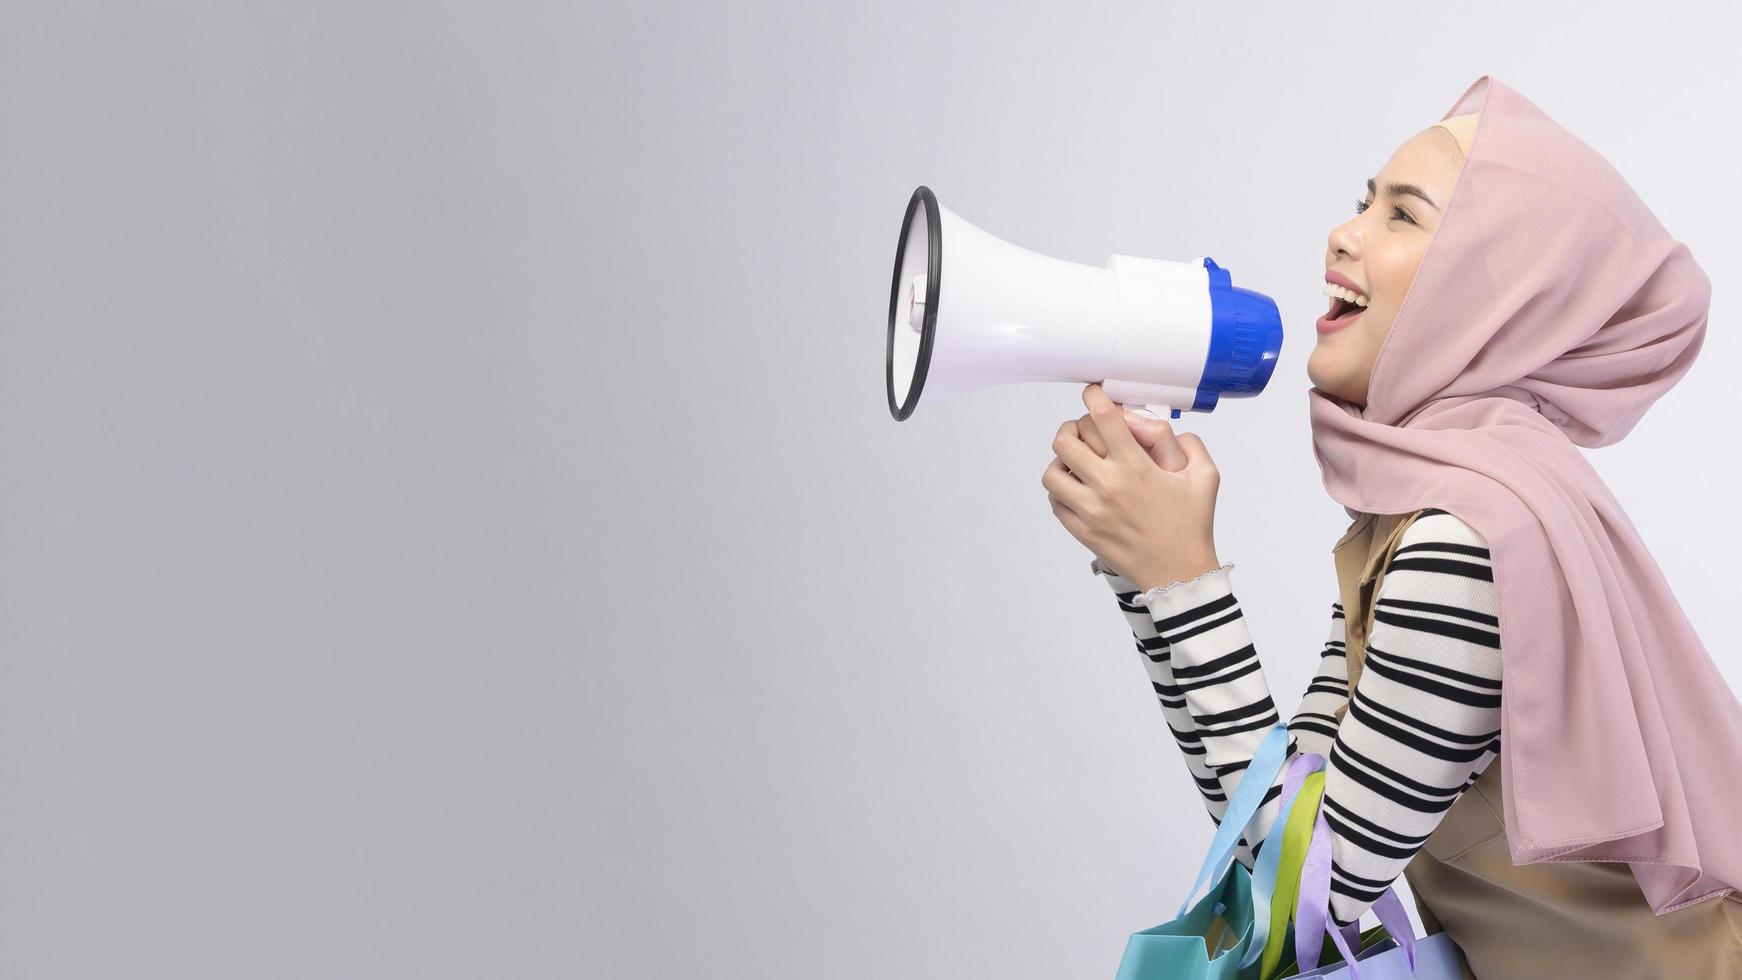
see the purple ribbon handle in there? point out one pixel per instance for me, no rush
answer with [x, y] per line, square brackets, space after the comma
[1313, 909]
[1269, 863]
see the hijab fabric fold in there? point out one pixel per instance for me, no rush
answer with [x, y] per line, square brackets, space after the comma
[1549, 311]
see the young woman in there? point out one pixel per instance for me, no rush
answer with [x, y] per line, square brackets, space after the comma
[1500, 299]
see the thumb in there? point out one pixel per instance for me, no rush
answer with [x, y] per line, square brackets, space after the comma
[1157, 439]
[1196, 453]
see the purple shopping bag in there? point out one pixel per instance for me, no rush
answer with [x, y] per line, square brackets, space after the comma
[1402, 955]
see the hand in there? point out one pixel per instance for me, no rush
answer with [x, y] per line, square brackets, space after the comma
[1141, 499]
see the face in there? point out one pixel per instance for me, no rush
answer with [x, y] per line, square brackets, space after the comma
[1379, 249]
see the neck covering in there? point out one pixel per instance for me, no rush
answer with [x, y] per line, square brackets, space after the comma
[1549, 311]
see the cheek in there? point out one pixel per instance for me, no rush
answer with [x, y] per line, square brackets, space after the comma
[1390, 272]
[1371, 333]
[1364, 354]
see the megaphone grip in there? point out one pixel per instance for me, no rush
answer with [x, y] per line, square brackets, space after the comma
[1155, 411]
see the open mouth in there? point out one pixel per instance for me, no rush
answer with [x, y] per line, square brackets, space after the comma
[1342, 309]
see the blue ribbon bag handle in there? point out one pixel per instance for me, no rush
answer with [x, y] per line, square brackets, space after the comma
[1242, 807]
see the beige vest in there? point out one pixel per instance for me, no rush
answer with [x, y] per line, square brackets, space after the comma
[1557, 918]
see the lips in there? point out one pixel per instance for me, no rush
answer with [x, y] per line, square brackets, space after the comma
[1337, 278]
[1341, 315]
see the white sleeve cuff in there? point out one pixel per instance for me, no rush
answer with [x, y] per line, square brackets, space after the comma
[1211, 582]
[1119, 583]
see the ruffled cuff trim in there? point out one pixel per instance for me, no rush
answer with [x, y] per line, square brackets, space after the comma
[1161, 591]
[1119, 582]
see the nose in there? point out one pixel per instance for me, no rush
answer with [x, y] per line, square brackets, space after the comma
[1345, 239]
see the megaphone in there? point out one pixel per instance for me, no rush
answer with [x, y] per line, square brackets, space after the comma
[968, 310]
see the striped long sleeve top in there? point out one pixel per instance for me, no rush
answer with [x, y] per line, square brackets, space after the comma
[1423, 722]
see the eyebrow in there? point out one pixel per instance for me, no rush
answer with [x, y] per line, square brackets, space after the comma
[1398, 190]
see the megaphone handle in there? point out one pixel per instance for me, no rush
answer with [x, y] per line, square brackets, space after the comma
[1156, 411]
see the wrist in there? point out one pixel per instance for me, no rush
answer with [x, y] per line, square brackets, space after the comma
[1175, 572]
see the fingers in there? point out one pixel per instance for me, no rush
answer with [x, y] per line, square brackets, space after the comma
[1067, 517]
[1064, 487]
[1198, 455]
[1076, 454]
[1085, 428]
[1109, 419]
[1158, 439]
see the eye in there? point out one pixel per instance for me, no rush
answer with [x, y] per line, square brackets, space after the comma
[1397, 211]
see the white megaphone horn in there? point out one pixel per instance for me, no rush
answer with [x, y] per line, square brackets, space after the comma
[968, 310]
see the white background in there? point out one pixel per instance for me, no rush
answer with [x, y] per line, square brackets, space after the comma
[451, 525]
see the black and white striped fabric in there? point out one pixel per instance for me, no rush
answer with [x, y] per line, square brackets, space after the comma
[1423, 724]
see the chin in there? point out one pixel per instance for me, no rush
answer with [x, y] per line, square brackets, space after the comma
[1325, 381]
[1336, 387]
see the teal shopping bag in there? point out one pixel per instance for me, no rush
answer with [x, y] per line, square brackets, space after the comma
[1207, 939]
[1204, 944]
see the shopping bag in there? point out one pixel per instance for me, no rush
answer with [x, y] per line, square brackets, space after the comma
[1202, 944]
[1436, 958]
[1207, 939]
[1373, 941]
[1433, 958]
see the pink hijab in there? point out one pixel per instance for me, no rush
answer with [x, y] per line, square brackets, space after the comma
[1550, 310]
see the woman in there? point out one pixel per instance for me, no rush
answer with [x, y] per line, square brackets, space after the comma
[1517, 301]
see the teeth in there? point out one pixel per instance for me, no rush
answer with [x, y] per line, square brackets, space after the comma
[1332, 289]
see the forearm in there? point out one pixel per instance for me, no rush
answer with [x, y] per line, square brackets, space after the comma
[1424, 721]
[1215, 668]
[1153, 652]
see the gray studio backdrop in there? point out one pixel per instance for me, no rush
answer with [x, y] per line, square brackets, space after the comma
[451, 527]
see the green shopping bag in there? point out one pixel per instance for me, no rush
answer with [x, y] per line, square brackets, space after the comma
[1207, 940]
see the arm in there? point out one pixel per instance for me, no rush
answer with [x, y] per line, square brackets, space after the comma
[1313, 726]
[1153, 652]
[1425, 718]
[1423, 723]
